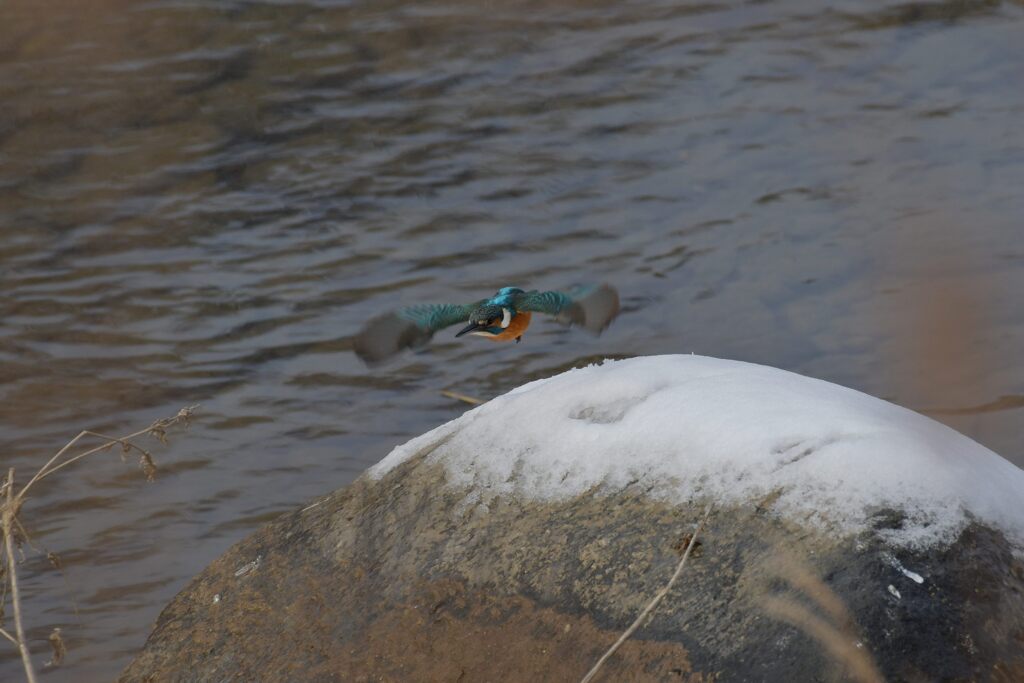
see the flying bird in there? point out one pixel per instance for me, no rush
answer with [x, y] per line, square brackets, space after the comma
[502, 317]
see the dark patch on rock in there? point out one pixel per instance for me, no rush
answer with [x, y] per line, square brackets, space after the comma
[408, 578]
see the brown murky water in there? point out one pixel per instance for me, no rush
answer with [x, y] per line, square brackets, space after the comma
[201, 202]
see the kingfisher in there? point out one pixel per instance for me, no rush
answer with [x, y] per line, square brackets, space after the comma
[500, 318]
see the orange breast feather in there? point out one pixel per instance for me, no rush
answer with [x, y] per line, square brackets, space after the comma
[516, 327]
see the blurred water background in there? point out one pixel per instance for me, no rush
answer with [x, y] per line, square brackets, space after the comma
[201, 202]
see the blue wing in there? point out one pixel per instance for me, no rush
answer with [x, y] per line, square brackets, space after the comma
[433, 317]
[591, 306]
[388, 334]
[551, 303]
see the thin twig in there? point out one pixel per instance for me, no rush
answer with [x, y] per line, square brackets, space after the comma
[48, 469]
[838, 633]
[54, 561]
[463, 397]
[800, 576]
[857, 662]
[12, 577]
[55, 458]
[10, 524]
[653, 603]
[157, 429]
[126, 444]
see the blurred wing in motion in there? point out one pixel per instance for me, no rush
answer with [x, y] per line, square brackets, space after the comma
[592, 307]
[388, 334]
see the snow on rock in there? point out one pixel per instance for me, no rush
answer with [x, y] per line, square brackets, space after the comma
[693, 427]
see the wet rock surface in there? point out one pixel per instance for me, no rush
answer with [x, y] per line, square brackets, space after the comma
[408, 578]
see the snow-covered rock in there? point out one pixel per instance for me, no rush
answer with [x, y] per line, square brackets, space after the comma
[518, 541]
[684, 428]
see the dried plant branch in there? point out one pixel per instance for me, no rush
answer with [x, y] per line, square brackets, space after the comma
[462, 397]
[67, 447]
[9, 637]
[799, 576]
[158, 429]
[10, 525]
[837, 633]
[51, 557]
[653, 603]
[836, 643]
[9, 512]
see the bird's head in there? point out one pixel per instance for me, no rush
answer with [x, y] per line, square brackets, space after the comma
[487, 320]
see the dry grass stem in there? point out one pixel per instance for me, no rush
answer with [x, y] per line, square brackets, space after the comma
[463, 397]
[836, 630]
[799, 576]
[652, 604]
[9, 637]
[9, 511]
[158, 430]
[14, 532]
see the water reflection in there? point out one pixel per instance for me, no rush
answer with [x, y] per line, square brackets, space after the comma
[202, 202]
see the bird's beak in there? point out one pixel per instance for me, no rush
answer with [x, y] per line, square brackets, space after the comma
[470, 328]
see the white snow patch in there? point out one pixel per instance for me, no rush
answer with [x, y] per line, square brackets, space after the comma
[687, 427]
[913, 576]
[898, 566]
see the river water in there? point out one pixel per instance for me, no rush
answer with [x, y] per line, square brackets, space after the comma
[201, 202]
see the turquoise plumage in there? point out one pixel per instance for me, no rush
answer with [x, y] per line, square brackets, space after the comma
[502, 317]
[434, 317]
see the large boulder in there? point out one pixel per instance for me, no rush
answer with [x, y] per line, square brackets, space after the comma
[848, 538]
